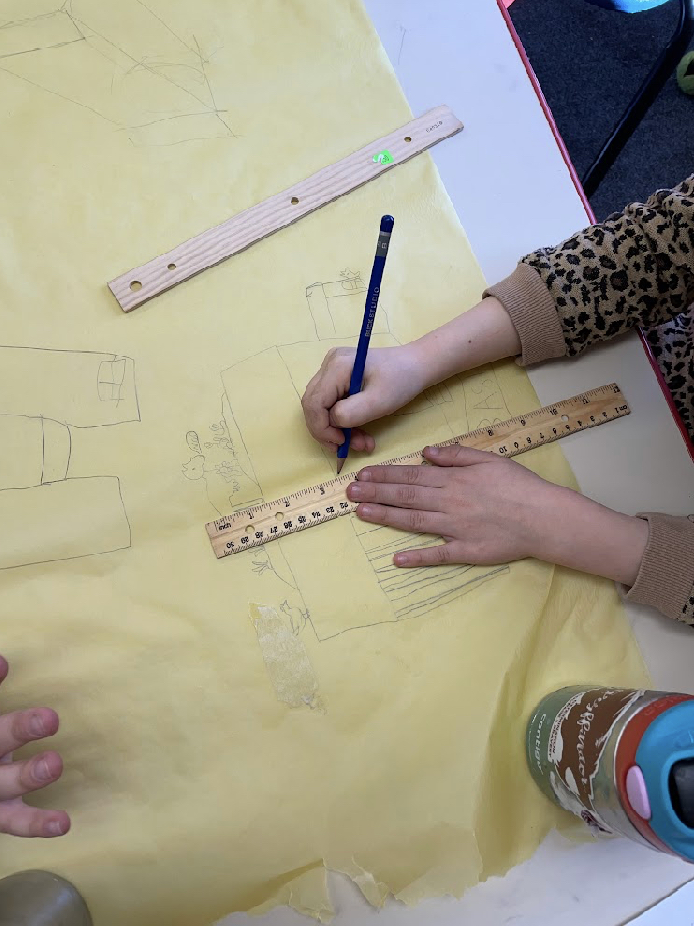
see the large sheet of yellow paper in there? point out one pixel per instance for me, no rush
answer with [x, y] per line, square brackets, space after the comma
[232, 729]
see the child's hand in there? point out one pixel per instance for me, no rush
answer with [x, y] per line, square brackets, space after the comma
[393, 377]
[486, 508]
[491, 510]
[23, 776]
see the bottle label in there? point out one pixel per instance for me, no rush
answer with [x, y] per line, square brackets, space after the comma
[578, 736]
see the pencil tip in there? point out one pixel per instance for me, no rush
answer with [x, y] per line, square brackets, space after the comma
[340, 464]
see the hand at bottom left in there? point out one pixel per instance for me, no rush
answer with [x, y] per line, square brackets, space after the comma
[22, 776]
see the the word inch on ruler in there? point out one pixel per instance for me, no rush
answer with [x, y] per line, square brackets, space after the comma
[306, 508]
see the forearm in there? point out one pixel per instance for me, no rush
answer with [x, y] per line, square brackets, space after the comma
[588, 537]
[481, 335]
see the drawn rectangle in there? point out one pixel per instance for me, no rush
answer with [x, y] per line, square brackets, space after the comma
[337, 307]
[21, 452]
[39, 524]
[264, 425]
[78, 388]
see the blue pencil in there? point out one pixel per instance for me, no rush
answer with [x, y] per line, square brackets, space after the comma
[373, 292]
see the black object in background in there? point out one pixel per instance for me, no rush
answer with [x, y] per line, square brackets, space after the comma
[590, 62]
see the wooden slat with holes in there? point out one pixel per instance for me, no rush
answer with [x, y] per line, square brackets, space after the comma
[135, 287]
[308, 507]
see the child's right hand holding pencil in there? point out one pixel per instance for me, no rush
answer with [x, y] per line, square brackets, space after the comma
[392, 378]
[396, 375]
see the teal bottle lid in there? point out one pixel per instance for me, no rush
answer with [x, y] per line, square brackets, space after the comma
[665, 757]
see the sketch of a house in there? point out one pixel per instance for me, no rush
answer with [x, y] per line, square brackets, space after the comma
[240, 467]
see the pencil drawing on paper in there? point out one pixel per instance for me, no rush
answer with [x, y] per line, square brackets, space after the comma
[47, 514]
[158, 90]
[337, 306]
[234, 459]
[222, 464]
[415, 592]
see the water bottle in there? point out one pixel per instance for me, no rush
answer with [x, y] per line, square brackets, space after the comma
[621, 759]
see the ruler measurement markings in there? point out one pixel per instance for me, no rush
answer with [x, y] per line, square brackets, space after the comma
[326, 501]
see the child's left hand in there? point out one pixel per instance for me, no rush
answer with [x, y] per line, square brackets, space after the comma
[492, 510]
[487, 509]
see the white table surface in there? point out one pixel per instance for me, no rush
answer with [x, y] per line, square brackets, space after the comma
[513, 193]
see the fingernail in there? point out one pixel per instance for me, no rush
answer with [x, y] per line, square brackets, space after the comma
[432, 451]
[41, 771]
[55, 828]
[36, 727]
[364, 476]
[400, 559]
[355, 491]
[366, 511]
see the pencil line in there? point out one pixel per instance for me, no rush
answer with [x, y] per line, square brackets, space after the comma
[30, 51]
[137, 63]
[60, 95]
[166, 26]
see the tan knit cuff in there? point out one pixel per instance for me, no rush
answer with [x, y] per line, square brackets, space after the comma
[666, 577]
[533, 313]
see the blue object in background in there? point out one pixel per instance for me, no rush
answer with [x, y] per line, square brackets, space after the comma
[628, 6]
[666, 758]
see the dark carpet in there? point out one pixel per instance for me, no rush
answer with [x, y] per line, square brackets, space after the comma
[590, 62]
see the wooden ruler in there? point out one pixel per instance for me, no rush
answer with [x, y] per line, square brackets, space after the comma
[308, 507]
[135, 287]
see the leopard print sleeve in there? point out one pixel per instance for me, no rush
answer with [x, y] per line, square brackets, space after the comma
[634, 269]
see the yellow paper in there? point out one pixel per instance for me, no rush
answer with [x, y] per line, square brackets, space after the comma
[229, 728]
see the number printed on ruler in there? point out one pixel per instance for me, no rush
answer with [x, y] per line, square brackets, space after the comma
[309, 507]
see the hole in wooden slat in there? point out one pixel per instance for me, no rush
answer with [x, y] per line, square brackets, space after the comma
[135, 285]
[250, 528]
[408, 138]
[295, 200]
[172, 266]
[564, 417]
[279, 516]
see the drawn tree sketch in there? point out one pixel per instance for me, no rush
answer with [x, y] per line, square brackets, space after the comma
[221, 463]
[239, 467]
[158, 90]
[45, 513]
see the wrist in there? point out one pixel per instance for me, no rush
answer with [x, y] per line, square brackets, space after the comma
[483, 334]
[542, 520]
[590, 538]
[439, 354]
[422, 359]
